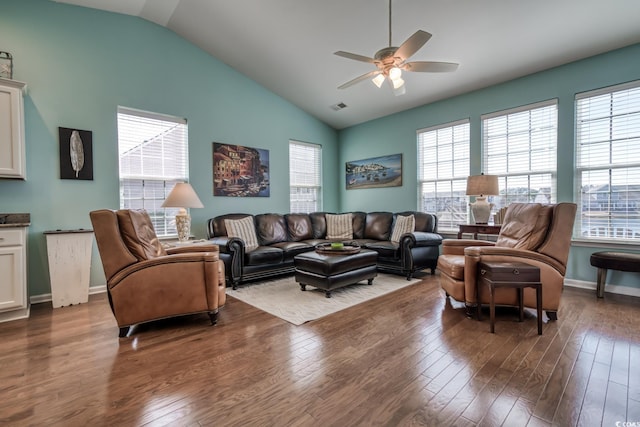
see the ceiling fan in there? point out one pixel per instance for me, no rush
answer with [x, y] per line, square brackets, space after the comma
[390, 61]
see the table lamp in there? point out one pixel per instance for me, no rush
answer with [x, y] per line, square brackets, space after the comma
[482, 186]
[183, 196]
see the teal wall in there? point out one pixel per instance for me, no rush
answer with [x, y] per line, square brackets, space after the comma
[80, 64]
[397, 134]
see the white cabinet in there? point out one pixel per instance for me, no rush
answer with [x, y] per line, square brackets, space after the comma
[12, 150]
[13, 274]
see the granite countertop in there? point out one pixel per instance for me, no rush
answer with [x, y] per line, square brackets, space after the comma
[15, 220]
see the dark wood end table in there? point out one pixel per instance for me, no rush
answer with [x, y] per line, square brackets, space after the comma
[478, 229]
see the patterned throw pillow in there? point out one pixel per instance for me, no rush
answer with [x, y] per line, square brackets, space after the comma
[404, 225]
[243, 229]
[339, 227]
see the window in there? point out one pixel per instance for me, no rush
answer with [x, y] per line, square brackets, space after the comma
[152, 150]
[608, 162]
[443, 167]
[305, 178]
[520, 146]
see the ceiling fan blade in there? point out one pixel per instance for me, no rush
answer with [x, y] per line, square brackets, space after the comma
[430, 67]
[355, 56]
[359, 79]
[412, 44]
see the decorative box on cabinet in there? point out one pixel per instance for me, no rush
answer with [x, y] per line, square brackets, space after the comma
[13, 274]
[12, 150]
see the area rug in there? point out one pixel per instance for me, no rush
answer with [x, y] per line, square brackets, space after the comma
[284, 299]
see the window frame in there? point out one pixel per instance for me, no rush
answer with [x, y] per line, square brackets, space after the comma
[488, 167]
[608, 232]
[313, 187]
[456, 181]
[151, 189]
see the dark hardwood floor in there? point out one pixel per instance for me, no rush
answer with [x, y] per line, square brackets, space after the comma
[408, 358]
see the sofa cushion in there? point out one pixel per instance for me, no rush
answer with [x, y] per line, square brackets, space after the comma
[359, 221]
[402, 226]
[378, 225]
[271, 228]
[264, 255]
[319, 225]
[525, 226]
[385, 249]
[339, 226]
[243, 229]
[138, 234]
[299, 227]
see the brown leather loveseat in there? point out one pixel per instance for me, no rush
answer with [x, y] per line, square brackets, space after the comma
[283, 236]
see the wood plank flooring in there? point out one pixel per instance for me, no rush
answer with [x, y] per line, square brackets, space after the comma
[410, 358]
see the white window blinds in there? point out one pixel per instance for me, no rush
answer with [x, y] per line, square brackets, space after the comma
[608, 162]
[443, 167]
[153, 157]
[520, 146]
[305, 177]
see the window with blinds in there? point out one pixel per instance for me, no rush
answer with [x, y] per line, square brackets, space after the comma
[443, 168]
[305, 177]
[153, 156]
[608, 162]
[520, 146]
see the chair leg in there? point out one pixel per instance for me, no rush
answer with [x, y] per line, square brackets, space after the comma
[124, 331]
[213, 316]
[601, 279]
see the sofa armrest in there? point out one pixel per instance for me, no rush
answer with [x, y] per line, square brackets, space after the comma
[420, 239]
[234, 248]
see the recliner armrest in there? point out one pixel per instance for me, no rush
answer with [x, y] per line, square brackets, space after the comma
[457, 246]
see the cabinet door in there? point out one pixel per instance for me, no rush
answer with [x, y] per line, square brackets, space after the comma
[12, 278]
[12, 151]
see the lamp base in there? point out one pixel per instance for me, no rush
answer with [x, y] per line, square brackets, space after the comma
[481, 210]
[183, 225]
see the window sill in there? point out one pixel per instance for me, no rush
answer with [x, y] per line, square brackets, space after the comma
[580, 242]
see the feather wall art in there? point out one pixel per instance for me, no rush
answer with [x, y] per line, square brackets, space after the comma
[76, 154]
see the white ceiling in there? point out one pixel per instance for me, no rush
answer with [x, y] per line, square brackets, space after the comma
[287, 45]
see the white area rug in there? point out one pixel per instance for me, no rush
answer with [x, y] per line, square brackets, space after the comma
[284, 299]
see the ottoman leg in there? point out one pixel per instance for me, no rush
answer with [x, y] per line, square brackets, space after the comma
[303, 287]
[602, 277]
[370, 281]
[327, 294]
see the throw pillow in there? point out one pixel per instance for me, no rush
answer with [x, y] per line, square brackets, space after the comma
[339, 227]
[403, 225]
[243, 229]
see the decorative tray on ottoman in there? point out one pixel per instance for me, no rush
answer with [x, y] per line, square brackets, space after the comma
[333, 249]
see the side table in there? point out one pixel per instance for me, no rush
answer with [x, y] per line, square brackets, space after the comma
[478, 229]
[516, 275]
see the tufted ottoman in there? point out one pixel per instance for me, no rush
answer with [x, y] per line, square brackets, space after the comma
[329, 272]
[622, 261]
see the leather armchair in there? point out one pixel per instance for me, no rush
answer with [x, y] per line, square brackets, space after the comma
[145, 282]
[532, 233]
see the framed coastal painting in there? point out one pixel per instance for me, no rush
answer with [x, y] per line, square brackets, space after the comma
[76, 154]
[384, 171]
[240, 171]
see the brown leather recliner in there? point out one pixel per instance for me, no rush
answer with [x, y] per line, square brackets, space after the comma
[532, 233]
[146, 282]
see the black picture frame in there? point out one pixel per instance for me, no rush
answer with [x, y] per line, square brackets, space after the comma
[76, 154]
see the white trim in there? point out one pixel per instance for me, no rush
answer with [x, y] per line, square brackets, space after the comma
[547, 103]
[614, 289]
[151, 115]
[609, 244]
[444, 125]
[609, 89]
[93, 290]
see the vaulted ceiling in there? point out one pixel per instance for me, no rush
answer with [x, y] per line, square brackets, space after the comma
[287, 45]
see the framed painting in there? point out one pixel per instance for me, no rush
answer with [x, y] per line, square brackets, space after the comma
[240, 171]
[384, 171]
[76, 153]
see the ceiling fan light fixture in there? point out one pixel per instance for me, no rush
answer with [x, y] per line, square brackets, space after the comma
[378, 80]
[395, 73]
[397, 83]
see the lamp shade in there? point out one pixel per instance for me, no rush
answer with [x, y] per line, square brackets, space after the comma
[482, 185]
[182, 196]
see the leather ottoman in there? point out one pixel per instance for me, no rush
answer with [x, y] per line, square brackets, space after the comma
[329, 272]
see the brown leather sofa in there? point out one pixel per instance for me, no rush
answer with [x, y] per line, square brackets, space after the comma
[532, 233]
[283, 236]
[146, 282]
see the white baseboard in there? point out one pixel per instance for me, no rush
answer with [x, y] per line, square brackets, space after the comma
[614, 289]
[37, 299]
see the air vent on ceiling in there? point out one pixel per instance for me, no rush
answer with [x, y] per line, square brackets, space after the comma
[338, 107]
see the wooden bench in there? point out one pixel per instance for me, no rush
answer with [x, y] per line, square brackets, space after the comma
[622, 261]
